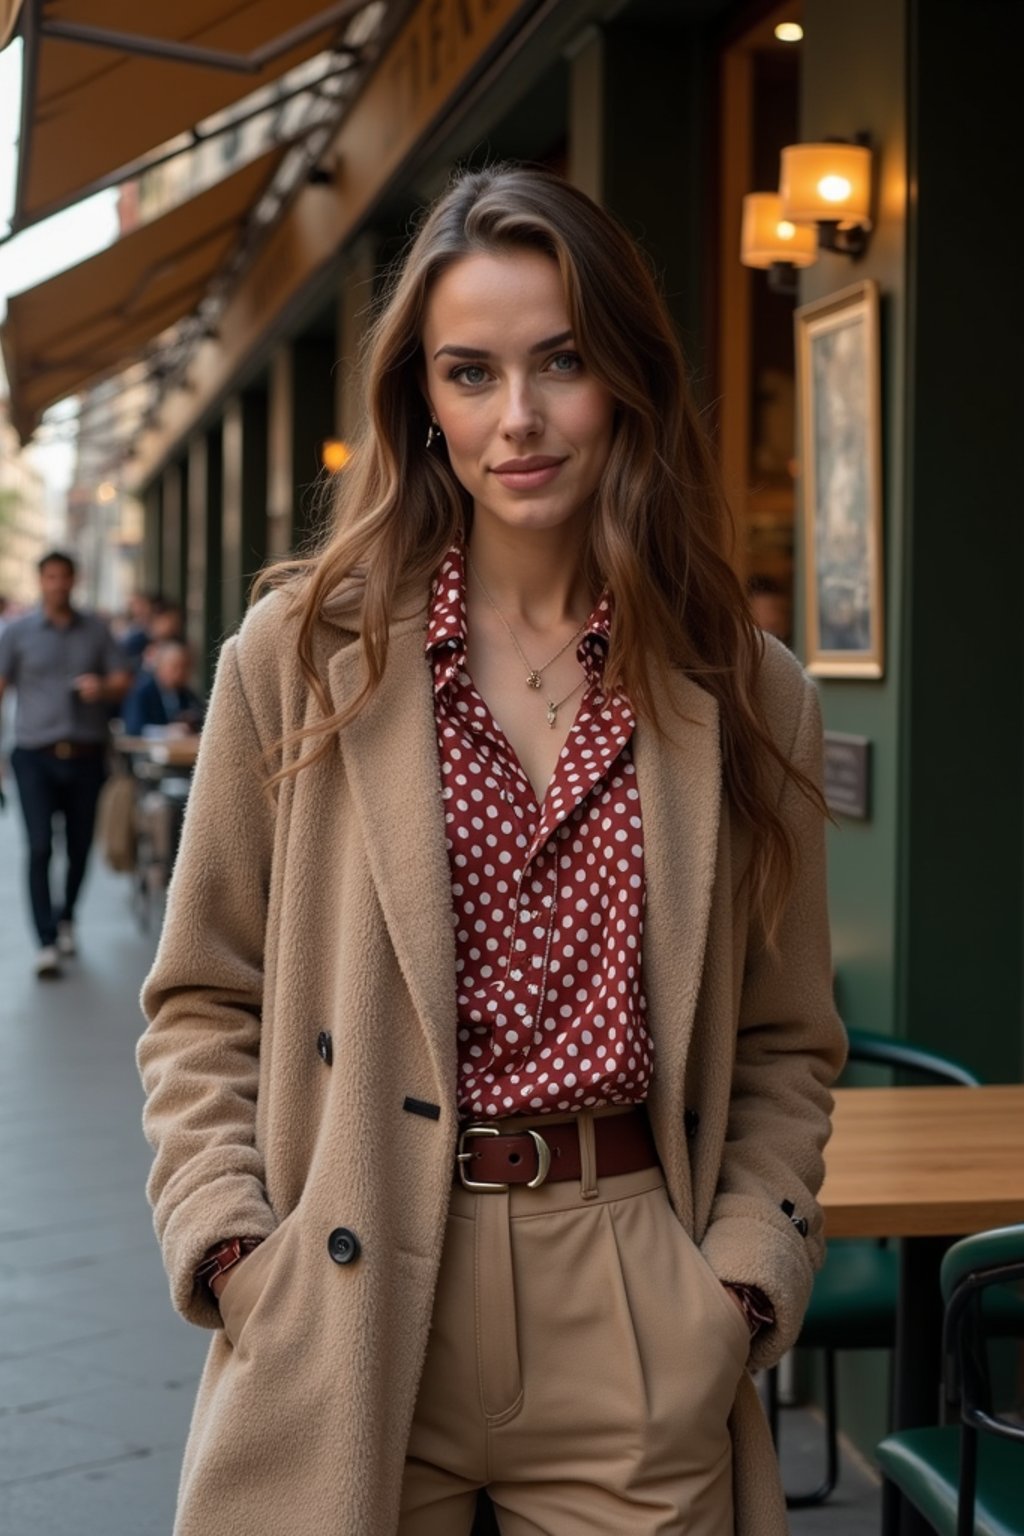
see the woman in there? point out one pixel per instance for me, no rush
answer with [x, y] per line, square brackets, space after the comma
[522, 736]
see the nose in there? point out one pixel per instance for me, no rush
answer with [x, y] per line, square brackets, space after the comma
[521, 415]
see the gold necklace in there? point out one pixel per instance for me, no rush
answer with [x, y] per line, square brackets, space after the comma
[533, 674]
[554, 707]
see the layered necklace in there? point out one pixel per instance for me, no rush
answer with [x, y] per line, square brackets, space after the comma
[534, 675]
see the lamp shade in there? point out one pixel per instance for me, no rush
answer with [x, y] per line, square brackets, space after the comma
[767, 237]
[826, 182]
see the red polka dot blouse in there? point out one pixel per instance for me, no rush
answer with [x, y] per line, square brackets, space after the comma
[547, 900]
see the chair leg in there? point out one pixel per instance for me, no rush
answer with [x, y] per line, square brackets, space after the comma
[968, 1479]
[772, 1404]
[822, 1492]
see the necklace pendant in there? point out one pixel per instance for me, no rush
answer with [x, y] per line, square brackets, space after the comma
[552, 712]
[533, 680]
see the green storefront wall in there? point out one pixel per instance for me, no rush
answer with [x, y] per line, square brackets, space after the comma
[926, 896]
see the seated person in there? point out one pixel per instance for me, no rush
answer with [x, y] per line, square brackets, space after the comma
[167, 623]
[162, 697]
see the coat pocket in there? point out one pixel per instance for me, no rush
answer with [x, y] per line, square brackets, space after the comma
[247, 1279]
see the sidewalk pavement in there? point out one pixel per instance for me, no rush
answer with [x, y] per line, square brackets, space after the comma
[97, 1374]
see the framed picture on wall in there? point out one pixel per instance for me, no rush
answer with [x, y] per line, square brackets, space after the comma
[838, 390]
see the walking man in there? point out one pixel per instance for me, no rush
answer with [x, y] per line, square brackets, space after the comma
[66, 671]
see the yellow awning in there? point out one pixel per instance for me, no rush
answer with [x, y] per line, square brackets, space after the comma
[8, 20]
[105, 87]
[94, 318]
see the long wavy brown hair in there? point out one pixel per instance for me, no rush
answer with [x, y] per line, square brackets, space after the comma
[660, 531]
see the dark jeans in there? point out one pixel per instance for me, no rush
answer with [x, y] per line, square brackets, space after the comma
[47, 784]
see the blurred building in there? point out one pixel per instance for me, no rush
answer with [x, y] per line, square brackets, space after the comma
[24, 522]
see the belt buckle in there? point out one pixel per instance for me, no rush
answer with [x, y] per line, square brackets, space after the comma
[462, 1157]
[62, 749]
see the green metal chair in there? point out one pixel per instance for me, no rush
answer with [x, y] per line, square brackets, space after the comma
[853, 1303]
[967, 1478]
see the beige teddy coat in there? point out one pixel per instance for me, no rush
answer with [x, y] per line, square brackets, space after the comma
[325, 910]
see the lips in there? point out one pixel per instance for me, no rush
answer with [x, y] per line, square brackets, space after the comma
[532, 474]
[525, 466]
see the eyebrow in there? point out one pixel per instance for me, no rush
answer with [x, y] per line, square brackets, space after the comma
[475, 354]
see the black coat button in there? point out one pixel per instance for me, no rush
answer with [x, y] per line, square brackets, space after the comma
[325, 1046]
[343, 1246]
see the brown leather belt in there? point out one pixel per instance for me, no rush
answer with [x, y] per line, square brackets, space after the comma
[491, 1158]
[70, 749]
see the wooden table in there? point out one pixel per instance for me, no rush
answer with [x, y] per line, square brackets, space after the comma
[925, 1165]
[169, 751]
[925, 1162]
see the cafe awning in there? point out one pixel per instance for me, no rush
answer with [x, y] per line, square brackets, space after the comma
[96, 317]
[107, 82]
[8, 20]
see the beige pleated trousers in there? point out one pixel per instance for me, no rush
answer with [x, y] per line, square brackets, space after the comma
[582, 1364]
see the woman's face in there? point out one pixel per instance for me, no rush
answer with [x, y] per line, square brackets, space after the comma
[528, 429]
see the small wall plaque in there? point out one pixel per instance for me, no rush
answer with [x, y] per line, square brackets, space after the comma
[848, 774]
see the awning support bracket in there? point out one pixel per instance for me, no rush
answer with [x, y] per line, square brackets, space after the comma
[187, 53]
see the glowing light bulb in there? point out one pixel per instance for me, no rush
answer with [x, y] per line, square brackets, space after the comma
[785, 230]
[835, 189]
[789, 32]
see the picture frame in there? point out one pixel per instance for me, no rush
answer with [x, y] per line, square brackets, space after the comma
[838, 374]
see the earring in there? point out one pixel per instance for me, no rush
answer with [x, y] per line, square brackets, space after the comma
[433, 432]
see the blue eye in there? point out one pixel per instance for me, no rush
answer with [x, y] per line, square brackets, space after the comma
[463, 372]
[566, 362]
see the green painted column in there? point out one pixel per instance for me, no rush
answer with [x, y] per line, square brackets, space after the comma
[301, 408]
[962, 832]
[649, 167]
[203, 595]
[244, 520]
[152, 537]
[174, 530]
[355, 301]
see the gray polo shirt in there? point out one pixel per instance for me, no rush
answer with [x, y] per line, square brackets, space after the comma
[40, 659]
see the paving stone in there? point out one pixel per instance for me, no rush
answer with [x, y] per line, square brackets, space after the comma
[143, 1354]
[131, 1497]
[154, 1415]
[43, 1380]
[40, 1445]
[27, 1329]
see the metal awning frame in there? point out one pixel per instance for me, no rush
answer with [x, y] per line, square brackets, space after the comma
[34, 27]
[184, 53]
[166, 360]
[196, 137]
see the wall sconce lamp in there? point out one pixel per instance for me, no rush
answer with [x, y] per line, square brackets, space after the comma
[773, 243]
[823, 204]
[829, 185]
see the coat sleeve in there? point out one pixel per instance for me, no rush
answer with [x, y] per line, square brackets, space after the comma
[199, 1057]
[766, 1227]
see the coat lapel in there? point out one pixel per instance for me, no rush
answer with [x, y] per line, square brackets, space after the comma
[679, 780]
[390, 756]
